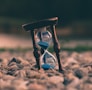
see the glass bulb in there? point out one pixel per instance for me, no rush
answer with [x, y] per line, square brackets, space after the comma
[48, 60]
[44, 35]
[44, 39]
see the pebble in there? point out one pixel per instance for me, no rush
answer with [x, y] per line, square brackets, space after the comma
[56, 79]
[1, 74]
[20, 74]
[36, 86]
[79, 73]
[70, 61]
[70, 80]
[4, 63]
[33, 74]
[20, 84]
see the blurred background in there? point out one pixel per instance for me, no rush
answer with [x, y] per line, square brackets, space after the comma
[74, 26]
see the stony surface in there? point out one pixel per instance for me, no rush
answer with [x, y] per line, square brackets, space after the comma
[18, 72]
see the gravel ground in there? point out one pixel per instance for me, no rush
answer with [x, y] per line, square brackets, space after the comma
[18, 72]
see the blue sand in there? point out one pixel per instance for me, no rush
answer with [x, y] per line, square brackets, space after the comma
[44, 45]
[47, 66]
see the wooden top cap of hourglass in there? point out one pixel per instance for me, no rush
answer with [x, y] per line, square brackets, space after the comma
[41, 23]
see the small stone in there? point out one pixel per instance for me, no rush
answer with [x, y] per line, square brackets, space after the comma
[75, 66]
[8, 88]
[79, 73]
[66, 81]
[33, 74]
[89, 80]
[36, 86]
[11, 72]
[20, 84]
[90, 73]
[74, 55]
[20, 73]
[56, 79]
[3, 83]
[70, 61]
[7, 77]
[4, 63]
[70, 88]
[1, 74]
[13, 67]
[23, 61]
[71, 81]
[14, 60]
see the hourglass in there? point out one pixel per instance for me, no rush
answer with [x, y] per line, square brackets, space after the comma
[42, 37]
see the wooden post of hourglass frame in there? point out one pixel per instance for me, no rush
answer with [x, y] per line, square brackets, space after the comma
[56, 46]
[36, 51]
